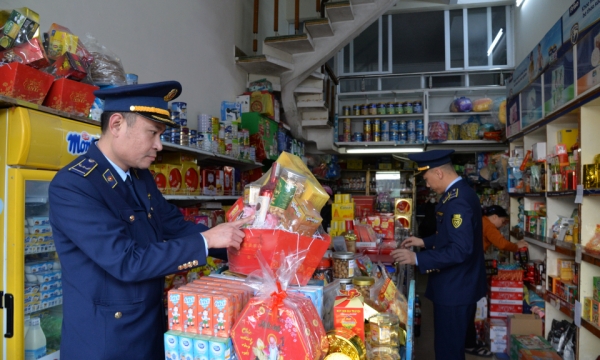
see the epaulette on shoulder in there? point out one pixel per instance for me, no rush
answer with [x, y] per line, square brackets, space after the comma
[452, 194]
[84, 167]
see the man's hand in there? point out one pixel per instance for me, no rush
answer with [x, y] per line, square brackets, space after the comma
[412, 241]
[522, 243]
[226, 234]
[404, 256]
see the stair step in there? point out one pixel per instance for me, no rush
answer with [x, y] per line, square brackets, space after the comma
[292, 44]
[315, 115]
[318, 27]
[359, 2]
[308, 90]
[276, 87]
[316, 75]
[339, 11]
[316, 124]
[309, 97]
[312, 105]
[263, 64]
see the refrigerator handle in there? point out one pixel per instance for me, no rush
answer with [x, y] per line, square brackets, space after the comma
[9, 302]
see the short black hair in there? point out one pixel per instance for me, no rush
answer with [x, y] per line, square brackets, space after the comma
[105, 117]
[495, 210]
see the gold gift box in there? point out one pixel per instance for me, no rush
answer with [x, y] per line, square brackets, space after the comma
[590, 176]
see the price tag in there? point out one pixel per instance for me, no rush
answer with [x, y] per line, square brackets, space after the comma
[577, 313]
[578, 253]
[579, 195]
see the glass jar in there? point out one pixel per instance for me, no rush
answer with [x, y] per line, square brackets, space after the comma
[324, 271]
[385, 330]
[344, 265]
[363, 284]
[346, 284]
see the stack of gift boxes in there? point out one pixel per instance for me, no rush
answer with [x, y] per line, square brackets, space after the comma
[506, 298]
[562, 284]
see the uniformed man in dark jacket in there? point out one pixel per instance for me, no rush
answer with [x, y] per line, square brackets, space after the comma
[454, 257]
[116, 235]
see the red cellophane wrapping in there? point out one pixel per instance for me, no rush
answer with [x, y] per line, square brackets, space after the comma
[275, 324]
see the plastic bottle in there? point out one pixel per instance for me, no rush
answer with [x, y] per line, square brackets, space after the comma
[417, 317]
[35, 341]
[26, 326]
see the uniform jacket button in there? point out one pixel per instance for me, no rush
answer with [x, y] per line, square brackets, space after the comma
[195, 262]
[180, 267]
[433, 247]
[131, 218]
[149, 216]
[189, 264]
[118, 315]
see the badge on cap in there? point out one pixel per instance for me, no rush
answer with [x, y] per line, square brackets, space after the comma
[171, 95]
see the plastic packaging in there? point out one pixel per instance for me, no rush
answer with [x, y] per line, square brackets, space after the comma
[438, 131]
[481, 105]
[462, 104]
[35, 341]
[106, 69]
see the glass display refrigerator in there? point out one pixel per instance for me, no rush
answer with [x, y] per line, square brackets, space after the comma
[34, 145]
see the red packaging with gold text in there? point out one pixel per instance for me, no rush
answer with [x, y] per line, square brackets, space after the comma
[228, 180]
[348, 312]
[24, 83]
[71, 96]
[278, 325]
[191, 179]
[30, 53]
[236, 211]
[161, 177]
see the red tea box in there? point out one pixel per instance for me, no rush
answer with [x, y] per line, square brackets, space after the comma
[174, 305]
[348, 312]
[71, 96]
[228, 180]
[236, 211]
[69, 66]
[30, 53]
[209, 181]
[24, 83]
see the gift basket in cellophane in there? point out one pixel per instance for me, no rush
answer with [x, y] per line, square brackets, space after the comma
[286, 203]
[276, 324]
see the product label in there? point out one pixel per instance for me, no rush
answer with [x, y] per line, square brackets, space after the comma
[351, 267]
[35, 354]
[78, 143]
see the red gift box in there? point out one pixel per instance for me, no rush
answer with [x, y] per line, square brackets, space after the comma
[30, 53]
[69, 66]
[71, 96]
[271, 242]
[24, 83]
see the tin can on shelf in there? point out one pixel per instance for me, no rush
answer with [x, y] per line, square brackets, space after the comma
[356, 109]
[402, 135]
[411, 125]
[381, 109]
[394, 125]
[363, 109]
[372, 107]
[346, 137]
[399, 108]
[408, 107]
[358, 137]
[367, 137]
[376, 136]
[376, 125]
[385, 125]
[367, 126]
[389, 109]
[418, 107]
[419, 136]
[346, 110]
[385, 136]
[402, 125]
[347, 125]
[411, 137]
[419, 124]
[394, 136]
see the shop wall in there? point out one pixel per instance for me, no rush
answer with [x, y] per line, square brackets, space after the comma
[533, 20]
[186, 40]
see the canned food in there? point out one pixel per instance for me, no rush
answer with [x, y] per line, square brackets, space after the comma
[346, 110]
[376, 136]
[346, 137]
[389, 108]
[367, 126]
[419, 124]
[367, 137]
[363, 109]
[376, 125]
[179, 107]
[347, 125]
[408, 108]
[372, 109]
[418, 107]
[411, 137]
[385, 136]
[358, 137]
[381, 109]
[419, 136]
[356, 110]
[385, 125]
[399, 108]
[394, 125]
[402, 125]
[394, 136]
[402, 135]
[193, 132]
[411, 125]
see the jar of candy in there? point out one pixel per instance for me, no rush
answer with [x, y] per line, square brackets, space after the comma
[324, 271]
[363, 284]
[346, 284]
[344, 265]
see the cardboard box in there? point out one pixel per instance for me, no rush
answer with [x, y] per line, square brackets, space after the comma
[567, 137]
[348, 312]
[209, 181]
[403, 207]
[509, 296]
[539, 151]
[244, 102]
[31, 54]
[191, 179]
[565, 269]
[501, 310]
[587, 309]
[595, 312]
[596, 288]
[498, 335]
[527, 342]
[24, 83]
[524, 324]
[69, 66]
[343, 211]
[538, 355]
[71, 96]
[171, 345]
[507, 286]
[263, 135]
[161, 175]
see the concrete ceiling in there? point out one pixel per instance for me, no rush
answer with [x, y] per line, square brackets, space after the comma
[428, 5]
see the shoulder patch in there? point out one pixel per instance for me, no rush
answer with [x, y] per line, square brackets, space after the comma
[452, 194]
[84, 167]
[109, 178]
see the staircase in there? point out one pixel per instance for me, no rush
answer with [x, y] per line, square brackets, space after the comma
[296, 59]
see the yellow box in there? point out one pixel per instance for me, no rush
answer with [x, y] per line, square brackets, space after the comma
[338, 199]
[587, 309]
[565, 269]
[385, 166]
[354, 164]
[343, 211]
[313, 191]
[567, 137]
[346, 199]
[403, 207]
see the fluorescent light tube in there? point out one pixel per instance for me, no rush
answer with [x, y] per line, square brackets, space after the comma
[520, 2]
[382, 150]
[495, 42]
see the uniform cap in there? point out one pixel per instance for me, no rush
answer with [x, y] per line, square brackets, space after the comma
[431, 159]
[148, 100]
[495, 210]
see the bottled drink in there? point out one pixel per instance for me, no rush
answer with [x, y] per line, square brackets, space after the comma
[26, 326]
[417, 317]
[35, 341]
[265, 195]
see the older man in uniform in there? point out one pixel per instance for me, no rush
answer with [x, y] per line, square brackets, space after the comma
[454, 256]
[116, 235]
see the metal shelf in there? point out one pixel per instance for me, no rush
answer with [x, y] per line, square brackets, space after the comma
[539, 194]
[539, 243]
[414, 115]
[483, 113]
[210, 157]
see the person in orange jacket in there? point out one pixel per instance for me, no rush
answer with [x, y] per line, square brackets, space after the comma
[494, 217]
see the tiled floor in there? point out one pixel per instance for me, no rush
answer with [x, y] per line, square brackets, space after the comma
[424, 343]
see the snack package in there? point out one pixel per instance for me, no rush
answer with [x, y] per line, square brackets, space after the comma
[462, 104]
[276, 324]
[389, 298]
[438, 131]
[68, 66]
[481, 105]
[106, 68]
[61, 40]
[593, 246]
[18, 27]
[31, 53]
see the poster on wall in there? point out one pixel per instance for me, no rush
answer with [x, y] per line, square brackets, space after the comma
[588, 60]
[577, 21]
[559, 83]
[546, 51]
[513, 114]
[531, 103]
[519, 79]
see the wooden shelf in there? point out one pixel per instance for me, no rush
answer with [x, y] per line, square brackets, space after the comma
[590, 258]
[517, 235]
[537, 240]
[591, 327]
[537, 194]
[591, 192]
[563, 306]
[208, 157]
[561, 193]
[564, 248]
